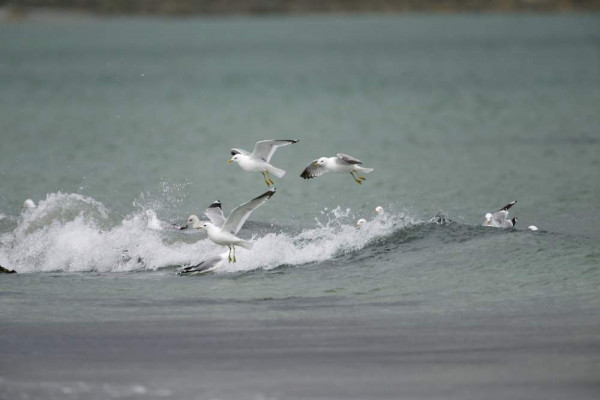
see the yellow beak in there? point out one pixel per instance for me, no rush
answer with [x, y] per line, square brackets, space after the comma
[230, 161]
[316, 164]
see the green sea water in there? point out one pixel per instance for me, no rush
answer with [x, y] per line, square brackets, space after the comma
[105, 121]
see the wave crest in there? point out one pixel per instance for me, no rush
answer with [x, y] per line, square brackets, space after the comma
[75, 233]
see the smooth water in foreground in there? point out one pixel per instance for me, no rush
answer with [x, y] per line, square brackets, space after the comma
[105, 123]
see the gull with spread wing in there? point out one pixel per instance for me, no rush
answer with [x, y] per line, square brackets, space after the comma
[223, 230]
[499, 218]
[341, 164]
[259, 160]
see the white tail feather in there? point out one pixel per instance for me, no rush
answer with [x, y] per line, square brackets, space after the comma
[364, 170]
[244, 244]
[276, 171]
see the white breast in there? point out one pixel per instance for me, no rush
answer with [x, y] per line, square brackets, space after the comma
[248, 164]
[221, 237]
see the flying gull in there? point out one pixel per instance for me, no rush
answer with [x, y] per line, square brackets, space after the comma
[341, 164]
[259, 160]
[222, 230]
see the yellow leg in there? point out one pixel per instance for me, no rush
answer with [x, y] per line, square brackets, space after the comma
[229, 255]
[270, 180]
[356, 180]
[234, 259]
[265, 178]
[360, 177]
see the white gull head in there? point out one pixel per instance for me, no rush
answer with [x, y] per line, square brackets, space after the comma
[236, 158]
[488, 219]
[28, 204]
[360, 222]
[194, 222]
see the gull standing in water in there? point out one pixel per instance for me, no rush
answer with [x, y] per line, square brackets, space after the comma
[259, 160]
[222, 230]
[341, 164]
[499, 219]
[194, 222]
[360, 222]
[28, 204]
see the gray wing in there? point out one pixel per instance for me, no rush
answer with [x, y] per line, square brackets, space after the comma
[313, 170]
[240, 214]
[265, 149]
[348, 159]
[214, 212]
[500, 216]
[239, 151]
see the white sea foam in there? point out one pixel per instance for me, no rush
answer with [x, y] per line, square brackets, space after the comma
[73, 233]
[327, 240]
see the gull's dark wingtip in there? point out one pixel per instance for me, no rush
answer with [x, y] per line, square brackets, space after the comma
[201, 268]
[508, 206]
[215, 204]
[268, 194]
[305, 174]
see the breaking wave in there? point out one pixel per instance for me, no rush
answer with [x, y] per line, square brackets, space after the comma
[75, 233]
